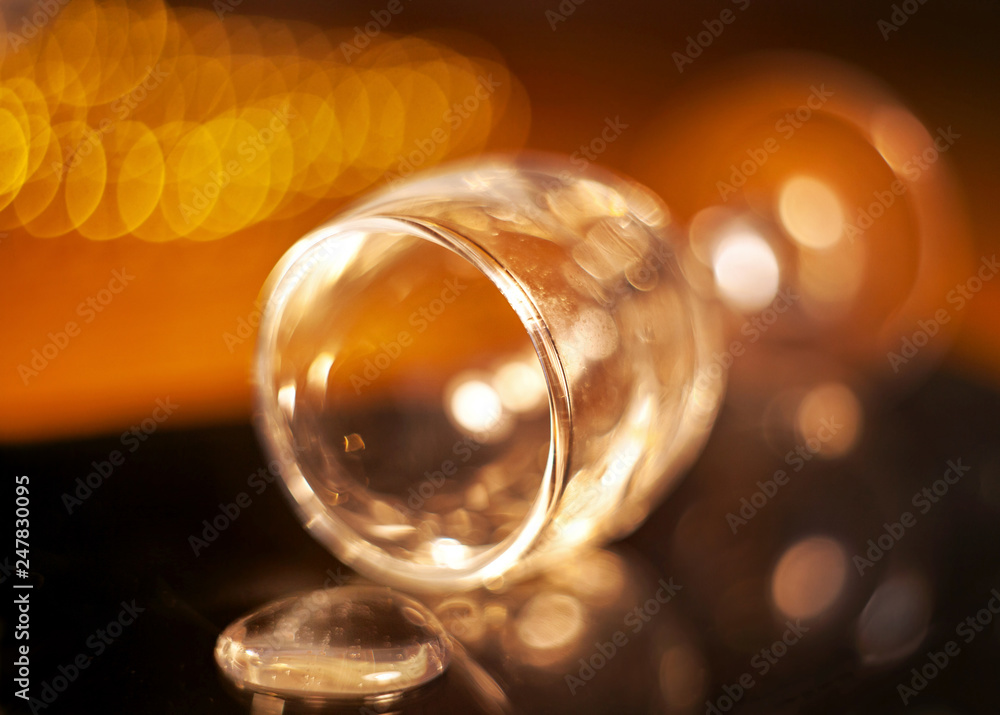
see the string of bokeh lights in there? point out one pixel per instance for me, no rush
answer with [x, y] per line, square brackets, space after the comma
[140, 119]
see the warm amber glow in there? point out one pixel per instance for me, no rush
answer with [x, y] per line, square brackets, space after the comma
[811, 212]
[809, 577]
[134, 119]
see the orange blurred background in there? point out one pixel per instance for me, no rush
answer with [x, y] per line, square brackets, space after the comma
[158, 160]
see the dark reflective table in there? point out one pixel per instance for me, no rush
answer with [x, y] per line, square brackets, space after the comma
[774, 580]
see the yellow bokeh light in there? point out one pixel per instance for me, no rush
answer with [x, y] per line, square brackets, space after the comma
[13, 156]
[40, 188]
[135, 175]
[132, 118]
[38, 129]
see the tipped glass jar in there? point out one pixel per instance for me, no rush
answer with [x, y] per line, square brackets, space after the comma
[482, 369]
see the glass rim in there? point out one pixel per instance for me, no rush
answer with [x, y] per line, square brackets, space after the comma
[333, 532]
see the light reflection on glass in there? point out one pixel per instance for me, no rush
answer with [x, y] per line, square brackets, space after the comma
[595, 334]
[286, 399]
[521, 385]
[475, 406]
[390, 314]
[448, 552]
[384, 677]
[319, 372]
